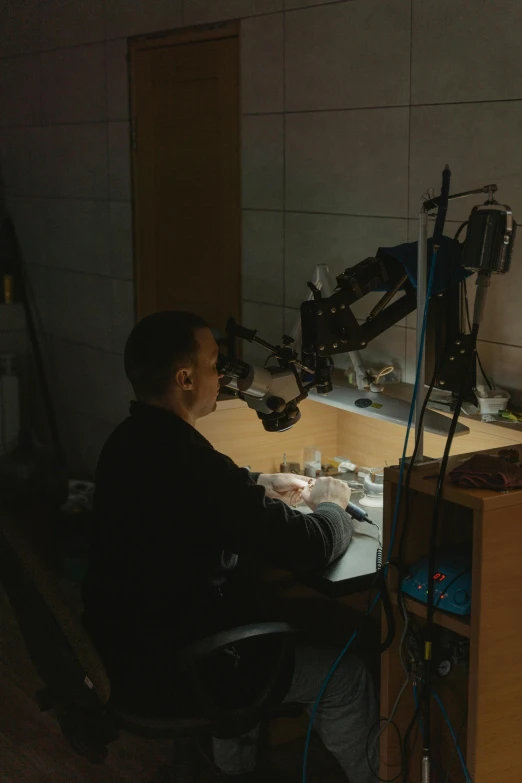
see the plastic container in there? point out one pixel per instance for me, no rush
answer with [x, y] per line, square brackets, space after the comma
[491, 401]
[373, 498]
[311, 461]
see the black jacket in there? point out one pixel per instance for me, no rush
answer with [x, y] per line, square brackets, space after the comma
[172, 517]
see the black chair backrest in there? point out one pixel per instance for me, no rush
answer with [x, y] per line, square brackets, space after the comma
[59, 647]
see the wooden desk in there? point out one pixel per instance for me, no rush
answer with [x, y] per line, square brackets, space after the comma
[491, 693]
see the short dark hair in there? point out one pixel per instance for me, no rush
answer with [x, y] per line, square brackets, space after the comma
[157, 346]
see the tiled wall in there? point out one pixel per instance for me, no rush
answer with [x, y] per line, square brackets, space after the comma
[350, 111]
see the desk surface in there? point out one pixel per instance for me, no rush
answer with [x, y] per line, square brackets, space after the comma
[424, 480]
[355, 570]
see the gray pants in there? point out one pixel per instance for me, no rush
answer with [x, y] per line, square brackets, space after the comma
[344, 717]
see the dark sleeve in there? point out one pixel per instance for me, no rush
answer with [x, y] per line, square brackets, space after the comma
[268, 528]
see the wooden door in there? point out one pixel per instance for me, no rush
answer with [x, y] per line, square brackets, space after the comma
[186, 174]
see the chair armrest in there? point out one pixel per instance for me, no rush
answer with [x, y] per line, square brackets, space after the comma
[218, 641]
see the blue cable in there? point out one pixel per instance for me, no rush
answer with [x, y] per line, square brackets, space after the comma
[394, 523]
[453, 736]
[450, 727]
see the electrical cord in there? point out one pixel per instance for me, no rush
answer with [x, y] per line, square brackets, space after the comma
[453, 736]
[432, 548]
[466, 303]
[464, 290]
[406, 740]
[406, 517]
[406, 671]
[390, 720]
[418, 434]
[394, 523]
[450, 762]
[450, 727]
[376, 774]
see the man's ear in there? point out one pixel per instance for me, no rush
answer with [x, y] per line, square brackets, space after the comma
[184, 379]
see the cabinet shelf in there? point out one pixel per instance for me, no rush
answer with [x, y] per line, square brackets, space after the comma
[453, 622]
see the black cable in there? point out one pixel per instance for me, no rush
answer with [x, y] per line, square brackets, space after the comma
[372, 727]
[432, 548]
[469, 327]
[464, 290]
[460, 228]
[406, 494]
[388, 611]
[412, 724]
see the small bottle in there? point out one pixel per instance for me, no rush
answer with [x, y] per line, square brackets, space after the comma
[8, 289]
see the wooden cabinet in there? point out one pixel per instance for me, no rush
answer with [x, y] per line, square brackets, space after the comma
[484, 702]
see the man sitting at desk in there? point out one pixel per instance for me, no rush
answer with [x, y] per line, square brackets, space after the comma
[167, 508]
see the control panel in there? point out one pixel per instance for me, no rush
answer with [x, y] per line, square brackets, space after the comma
[452, 582]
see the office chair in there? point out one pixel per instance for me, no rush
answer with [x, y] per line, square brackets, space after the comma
[78, 688]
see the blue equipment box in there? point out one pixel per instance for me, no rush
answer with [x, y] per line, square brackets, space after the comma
[452, 577]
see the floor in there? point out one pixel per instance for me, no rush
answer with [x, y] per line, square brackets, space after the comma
[32, 749]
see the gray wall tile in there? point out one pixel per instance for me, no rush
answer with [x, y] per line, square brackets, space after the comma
[29, 216]
[137, 17]
[82, 308]
[119, 161]
[23, 161]
[466, 51]
[117, 79]
[481, 144]
[71, 22]
[263, 256]
[123, 313]
[337, 241]
[351, 162]
[75, 161]
[121, 261]
[202, 11]
[85, 437]
[39, 297]
[73, 85]
[328, 67]
[262, 64]
[293, 4]
[15, 342]
[20, 26]
[88, 380]
[78, 237]
[503, 317]
[20, 90]
[263, 162]
[13, 317]
[503, 365]
[269, 323]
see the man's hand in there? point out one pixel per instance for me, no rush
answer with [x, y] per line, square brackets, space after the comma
[327, 490]
[284, 486]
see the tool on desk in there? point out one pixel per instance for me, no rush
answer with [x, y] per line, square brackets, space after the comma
[358, 513]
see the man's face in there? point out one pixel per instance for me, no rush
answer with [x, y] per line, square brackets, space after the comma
[206, 376]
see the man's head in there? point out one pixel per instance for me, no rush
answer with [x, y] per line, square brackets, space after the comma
[171, 362]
